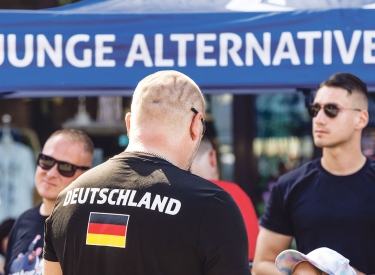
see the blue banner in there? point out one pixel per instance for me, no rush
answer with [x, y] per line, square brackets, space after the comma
[59, 50]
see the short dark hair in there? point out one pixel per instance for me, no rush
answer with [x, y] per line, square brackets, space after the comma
[77, 135]
[5, 228]
[347, 81]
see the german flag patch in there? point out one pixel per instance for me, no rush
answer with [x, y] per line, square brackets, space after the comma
[105, 229]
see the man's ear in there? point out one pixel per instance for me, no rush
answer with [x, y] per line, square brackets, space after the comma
[195, 133]
[127, 122]
[363, 119]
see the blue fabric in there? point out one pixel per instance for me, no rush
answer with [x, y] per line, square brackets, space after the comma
[289, 63]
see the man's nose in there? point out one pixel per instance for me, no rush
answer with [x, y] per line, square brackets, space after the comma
[53, 172]
[320, 116]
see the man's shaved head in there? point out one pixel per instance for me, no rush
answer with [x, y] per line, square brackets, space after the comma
[165, 99]
[162, 121]
[205, 146]
[205, 163]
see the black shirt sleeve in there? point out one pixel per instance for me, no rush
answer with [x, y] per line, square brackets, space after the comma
[49, 253]
[276, 217]
[222, 238]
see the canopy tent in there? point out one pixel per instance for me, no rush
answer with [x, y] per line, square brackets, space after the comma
[98, 46]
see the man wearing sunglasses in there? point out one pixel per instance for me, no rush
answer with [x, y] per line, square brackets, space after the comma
[328, 202]
[142, 211]
[66, 155]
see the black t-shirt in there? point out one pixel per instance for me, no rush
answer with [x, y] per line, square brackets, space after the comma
[137, 214]
[323, 210]
[25, 244]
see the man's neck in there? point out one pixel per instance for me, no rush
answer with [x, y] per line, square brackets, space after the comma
[163, 154]
[46, 207]
[340, 162]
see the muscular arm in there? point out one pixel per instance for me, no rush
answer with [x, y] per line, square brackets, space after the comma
[51, 268]
[269, 245]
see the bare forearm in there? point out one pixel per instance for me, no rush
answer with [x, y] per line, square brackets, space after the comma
[269, 245]
[265, 268]
[358, 272]
[51, 268]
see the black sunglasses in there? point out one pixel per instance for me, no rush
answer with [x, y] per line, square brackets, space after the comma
[204, 125]
[65, 169]
[331, 110]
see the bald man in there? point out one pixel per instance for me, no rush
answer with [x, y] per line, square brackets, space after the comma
[142, 212]
[205, 165]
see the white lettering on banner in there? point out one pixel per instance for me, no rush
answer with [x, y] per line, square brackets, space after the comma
[368, 47]
[264, 53]
[139, 42]
[100, 50]
[202, 49]
[159, 60]
[188, 49]
[12, 51]
[149, 201]
[286, 41]
[233, 51]
[70, 51]
[347, 55]
[327, 48]
[182, 40]
[309, 44]
[44, 47]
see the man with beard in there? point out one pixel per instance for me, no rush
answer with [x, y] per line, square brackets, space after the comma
[142, 212]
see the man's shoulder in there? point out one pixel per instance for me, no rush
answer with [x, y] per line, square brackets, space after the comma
[29, 219]
[301, 173]
[228, 186]
[184, 179]
[371, 164]
[30, 213]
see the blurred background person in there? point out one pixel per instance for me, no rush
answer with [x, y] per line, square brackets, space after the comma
[206, 166]
[5, 228]
[66, 155]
